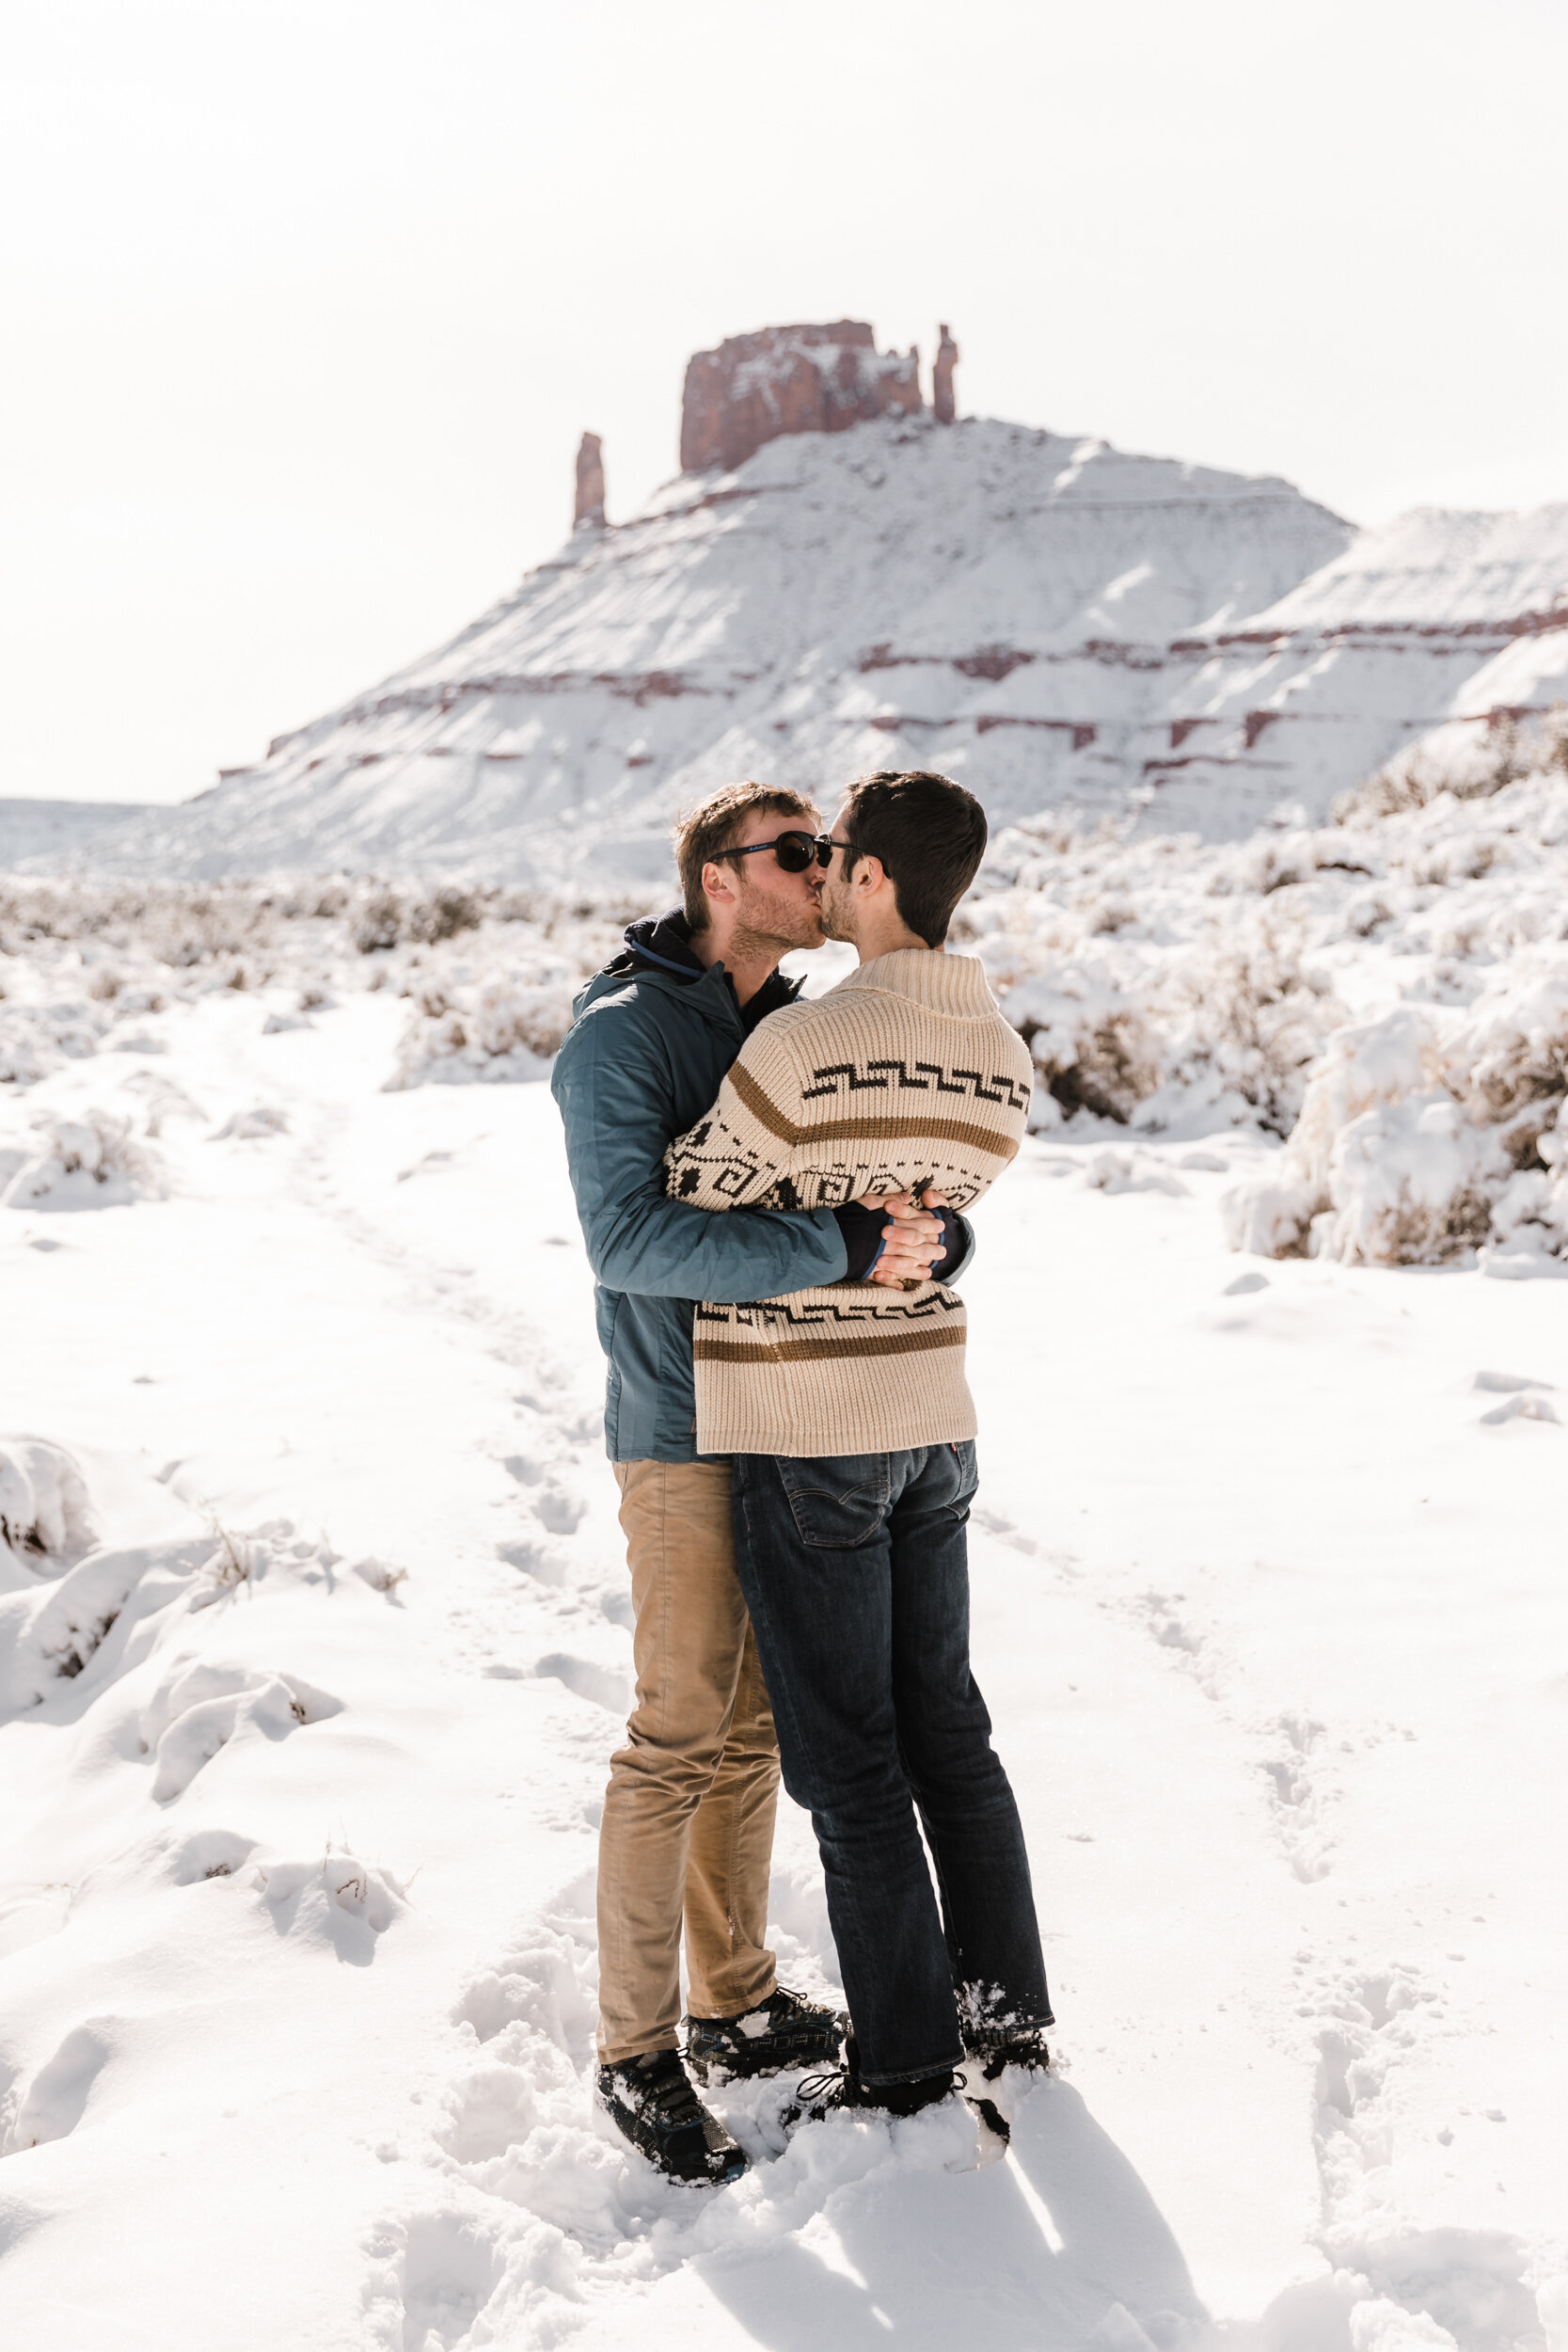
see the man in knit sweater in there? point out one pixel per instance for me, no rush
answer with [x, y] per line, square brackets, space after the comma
[851, 1430]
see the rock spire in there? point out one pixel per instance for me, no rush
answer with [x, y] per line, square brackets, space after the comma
[944, 405]
[590, 498]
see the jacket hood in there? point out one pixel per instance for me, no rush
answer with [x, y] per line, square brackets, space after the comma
[664, 940]
[658, 950]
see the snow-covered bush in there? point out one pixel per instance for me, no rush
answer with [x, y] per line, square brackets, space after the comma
[500, 1028]
[1468, 760]
[378, 924]
[45, 1517]
[91, 1162]
[1090, 1041]
[1430, 1132]
[83, 965]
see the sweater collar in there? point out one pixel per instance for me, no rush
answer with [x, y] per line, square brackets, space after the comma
[956, 985]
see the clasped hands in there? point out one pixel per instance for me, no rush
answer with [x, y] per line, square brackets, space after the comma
[912, 1240]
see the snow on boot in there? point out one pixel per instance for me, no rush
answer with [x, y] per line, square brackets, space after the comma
[1003, 2047]
[837, 2088]
[652, 2103]
[780, 2032]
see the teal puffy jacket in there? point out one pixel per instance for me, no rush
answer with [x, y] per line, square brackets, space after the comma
[651, 1041]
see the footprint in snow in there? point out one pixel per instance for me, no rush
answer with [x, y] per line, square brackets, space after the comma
[1519, 1404]
[54, 2102]
[559, 1510]
[1132, 1171]
[602, 1685]
[433, 2274]
[1520, 1408]
[247, 1126]
[1302, 1796]
[535, 1559]
[1006, 1531]
[1244, 1283]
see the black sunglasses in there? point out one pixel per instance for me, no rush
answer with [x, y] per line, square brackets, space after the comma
[797, 853]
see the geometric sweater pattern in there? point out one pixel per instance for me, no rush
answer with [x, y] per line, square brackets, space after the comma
[903, 1076]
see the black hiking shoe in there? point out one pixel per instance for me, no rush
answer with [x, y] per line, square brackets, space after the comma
[784, 2031]
[652, 2105]
[996, 2049]
[840, 2088]
[837, 2088]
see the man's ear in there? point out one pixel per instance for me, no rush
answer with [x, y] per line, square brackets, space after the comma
[718, 882]
[870, 873]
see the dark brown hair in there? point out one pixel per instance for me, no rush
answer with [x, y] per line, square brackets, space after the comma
[930, 836]
[714, 826]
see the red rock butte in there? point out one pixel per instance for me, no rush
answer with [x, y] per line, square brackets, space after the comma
[790, 379]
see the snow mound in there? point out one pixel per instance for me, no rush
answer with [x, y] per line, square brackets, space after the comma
[49, 1638]
[200, 1707]
[91, 1162]
[334, 1899]
[75, 1613]
[45, 1519]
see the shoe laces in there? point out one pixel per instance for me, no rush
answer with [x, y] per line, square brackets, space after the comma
[811, 2086]
[669, 2088]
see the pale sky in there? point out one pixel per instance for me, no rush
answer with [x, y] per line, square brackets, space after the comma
[307, 301]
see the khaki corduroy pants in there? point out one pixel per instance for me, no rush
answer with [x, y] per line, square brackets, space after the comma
[688, 1824]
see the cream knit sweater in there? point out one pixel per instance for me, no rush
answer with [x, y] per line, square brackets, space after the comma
[904, 1074]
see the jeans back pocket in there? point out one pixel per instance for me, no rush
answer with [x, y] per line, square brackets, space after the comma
[838, 1500]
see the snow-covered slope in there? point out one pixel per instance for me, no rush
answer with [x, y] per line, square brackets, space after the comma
[992, 599]
[49, 829]
[1057, 622]
[1440, 616]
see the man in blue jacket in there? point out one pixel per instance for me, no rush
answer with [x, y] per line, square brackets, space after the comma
[687, 1826]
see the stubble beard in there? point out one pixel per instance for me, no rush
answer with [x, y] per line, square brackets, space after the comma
[770, 931]
[834, 915]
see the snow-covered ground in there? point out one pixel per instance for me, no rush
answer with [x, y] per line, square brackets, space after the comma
[52, 829]
[307, 1699]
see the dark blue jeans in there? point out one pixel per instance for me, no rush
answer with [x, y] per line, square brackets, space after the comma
[855, 1570]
